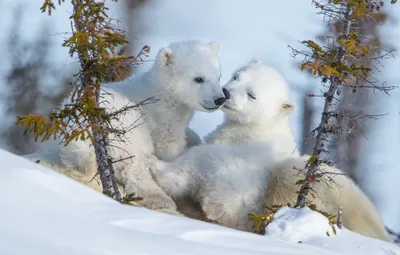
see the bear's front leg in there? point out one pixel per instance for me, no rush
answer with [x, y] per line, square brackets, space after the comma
[176, 182]
[138, 182]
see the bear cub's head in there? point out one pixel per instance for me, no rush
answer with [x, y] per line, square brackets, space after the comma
[257, 94]
[191, 72]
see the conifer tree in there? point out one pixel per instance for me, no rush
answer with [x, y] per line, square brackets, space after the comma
[95, 41]
[342, 62]
[353, 101]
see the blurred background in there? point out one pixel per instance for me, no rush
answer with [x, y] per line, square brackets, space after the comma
[34, 72]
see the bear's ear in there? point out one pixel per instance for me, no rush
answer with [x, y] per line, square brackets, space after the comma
[288, 107]
[165, 56]
[214, 46]
[255, 61]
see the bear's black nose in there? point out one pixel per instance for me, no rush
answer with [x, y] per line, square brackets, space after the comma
[226, 93]
[220, 101]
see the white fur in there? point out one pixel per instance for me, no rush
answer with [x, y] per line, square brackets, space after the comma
[229, 182]
[162, 125]
[248, 119]
[252, 162]
[192, 139]
[215, 170]
[359, 214]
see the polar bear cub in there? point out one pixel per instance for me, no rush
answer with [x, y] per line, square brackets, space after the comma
[252, 162]
[258, 107]
[184, 78]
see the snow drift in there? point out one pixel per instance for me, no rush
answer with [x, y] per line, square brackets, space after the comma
[43, 212]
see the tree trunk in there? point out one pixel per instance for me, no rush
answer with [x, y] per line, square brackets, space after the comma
[324, 126]
[103, 157]
[105, 165]
[307, 144]
[101, 140]
[322, 137]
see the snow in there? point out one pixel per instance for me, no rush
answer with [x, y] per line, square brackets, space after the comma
[302, 225]
[310, 227]
[44, 212]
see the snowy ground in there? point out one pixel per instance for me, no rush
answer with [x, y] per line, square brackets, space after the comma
[43, 212]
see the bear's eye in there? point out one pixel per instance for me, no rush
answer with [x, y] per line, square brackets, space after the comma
[199, 79]
[235, 77]
[251, 96]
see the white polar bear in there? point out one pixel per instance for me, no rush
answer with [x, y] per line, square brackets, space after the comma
[230, 181]
[258, 108]
[184, 78]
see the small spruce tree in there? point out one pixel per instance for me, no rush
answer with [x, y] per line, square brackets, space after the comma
[354, 102]
[342, 62]
[95, 40]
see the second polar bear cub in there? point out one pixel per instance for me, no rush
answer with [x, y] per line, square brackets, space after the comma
[252, 163]
[258, 107]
